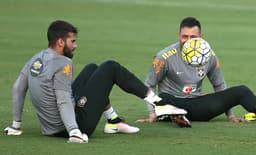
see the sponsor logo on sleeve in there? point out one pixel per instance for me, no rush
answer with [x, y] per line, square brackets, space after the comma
[36, 67]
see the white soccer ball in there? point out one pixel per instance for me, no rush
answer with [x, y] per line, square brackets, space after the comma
[196, 52]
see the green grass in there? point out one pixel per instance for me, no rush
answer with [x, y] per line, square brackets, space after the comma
[131, 32]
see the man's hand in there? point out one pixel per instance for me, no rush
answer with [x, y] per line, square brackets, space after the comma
[75, 136]
[234, 119]
[14, 129]
[151, 119]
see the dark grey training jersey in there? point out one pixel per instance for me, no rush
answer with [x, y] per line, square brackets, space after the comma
[48, 76]
[172, 75]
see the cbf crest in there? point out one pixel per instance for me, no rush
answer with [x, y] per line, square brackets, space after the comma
[36, 67]
[81, 102]
[201, 72]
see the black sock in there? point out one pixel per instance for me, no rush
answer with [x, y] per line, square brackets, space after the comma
[114, 121]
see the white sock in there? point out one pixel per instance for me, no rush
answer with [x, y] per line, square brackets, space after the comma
[152, 97]
[110, 114]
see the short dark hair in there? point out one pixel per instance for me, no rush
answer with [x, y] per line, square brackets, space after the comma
[59, 29]
[190, 22]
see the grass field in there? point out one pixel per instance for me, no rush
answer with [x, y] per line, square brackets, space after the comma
[131, 32]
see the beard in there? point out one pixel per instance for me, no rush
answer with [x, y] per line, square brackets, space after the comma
[68, 52]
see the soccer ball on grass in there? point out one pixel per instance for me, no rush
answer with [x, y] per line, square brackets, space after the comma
[196, 52]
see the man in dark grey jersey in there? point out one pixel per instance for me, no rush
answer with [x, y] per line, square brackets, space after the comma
[48, 77]
[182, 83]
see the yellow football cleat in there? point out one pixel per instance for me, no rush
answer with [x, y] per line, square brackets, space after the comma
[250, 116]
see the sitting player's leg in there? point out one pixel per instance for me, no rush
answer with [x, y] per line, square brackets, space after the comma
[208, 106]
[92, 97]
[115, 124]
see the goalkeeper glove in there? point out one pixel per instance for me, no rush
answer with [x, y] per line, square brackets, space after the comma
[75, 136]
[14, 129]
[155, 100]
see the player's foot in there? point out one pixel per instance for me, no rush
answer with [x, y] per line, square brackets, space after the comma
[250, 116]
[12, 131]
[181, 121]
[169, 110]
[120, 127]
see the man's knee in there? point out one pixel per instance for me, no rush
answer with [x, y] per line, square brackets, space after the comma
[243, 90]
[91, 66]
[110, 65]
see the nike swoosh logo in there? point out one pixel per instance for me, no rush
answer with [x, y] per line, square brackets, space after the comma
[115, 129]
[178, 73]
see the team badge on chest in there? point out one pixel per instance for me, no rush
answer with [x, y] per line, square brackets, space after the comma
[81, 102]
[201, 72]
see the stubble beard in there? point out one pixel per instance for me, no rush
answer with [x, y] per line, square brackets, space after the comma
[68, 52]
